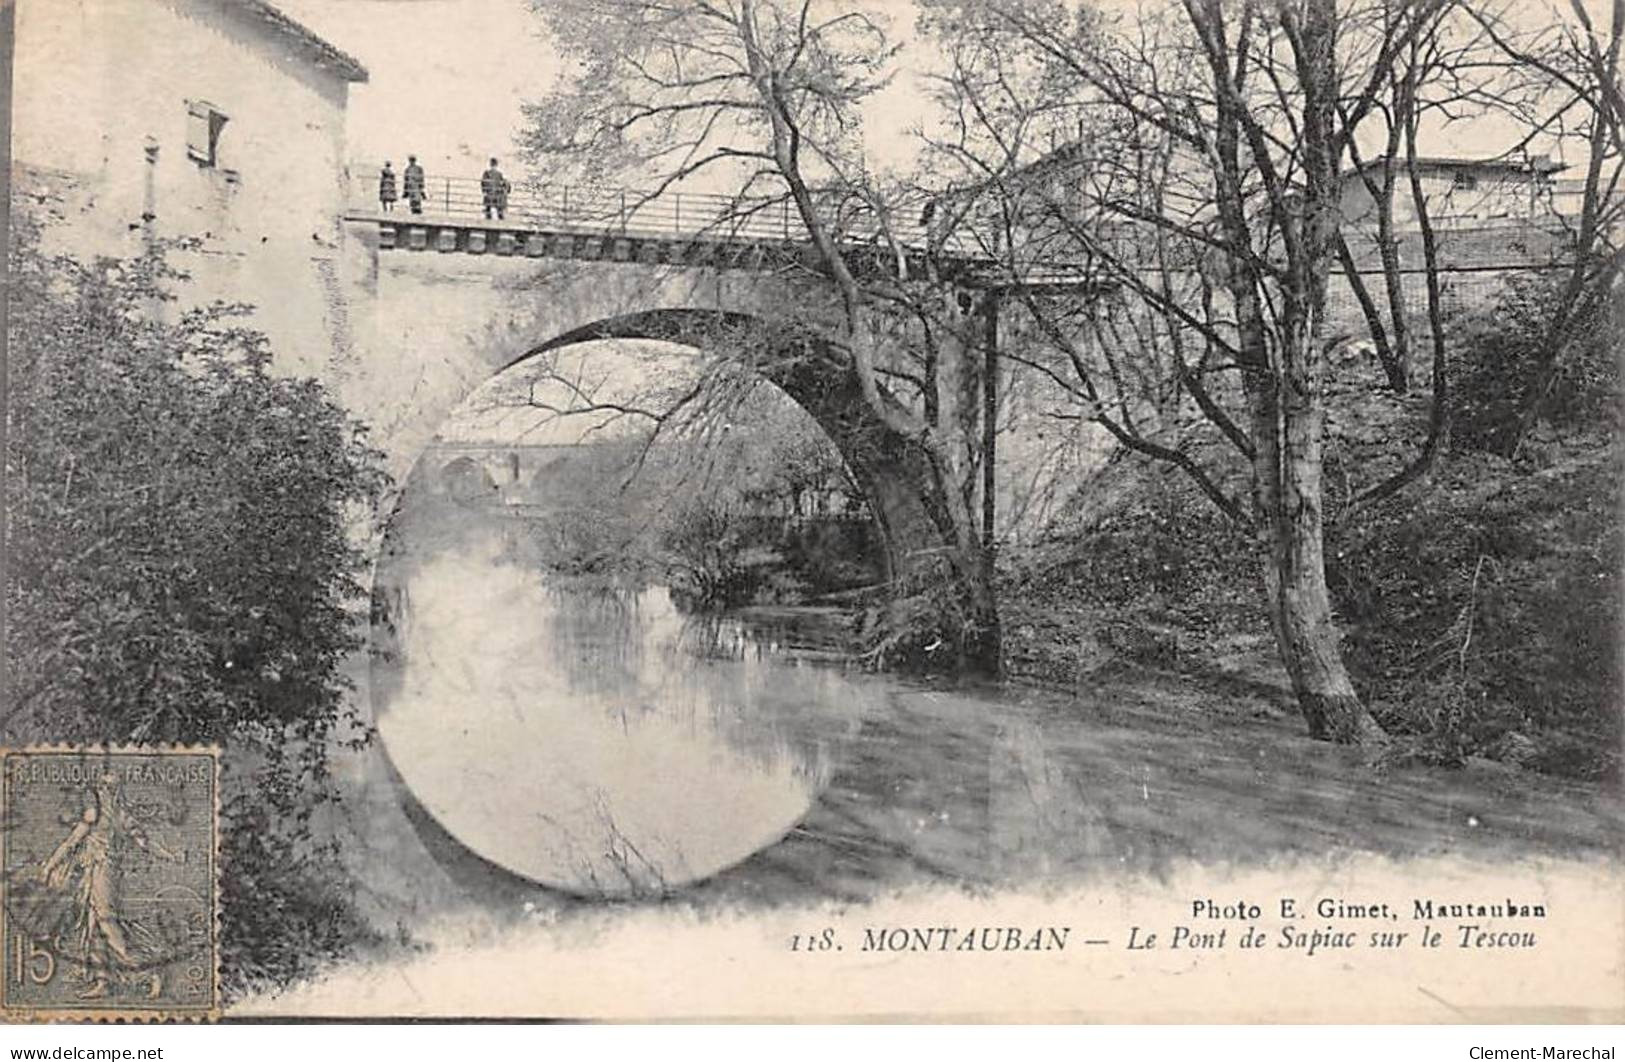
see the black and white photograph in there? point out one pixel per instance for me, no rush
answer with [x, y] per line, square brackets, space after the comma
[813, 510]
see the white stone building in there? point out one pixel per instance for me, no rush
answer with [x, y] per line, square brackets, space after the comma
[135, 120]
[1460, 191]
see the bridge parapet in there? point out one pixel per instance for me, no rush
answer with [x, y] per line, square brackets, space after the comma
[526, 239]
[685, 228]
[669, 213]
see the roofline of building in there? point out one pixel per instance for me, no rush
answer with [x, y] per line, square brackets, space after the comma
[318, 50]
[1537, 165]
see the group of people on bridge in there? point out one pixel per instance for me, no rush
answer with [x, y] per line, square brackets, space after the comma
[494, 188]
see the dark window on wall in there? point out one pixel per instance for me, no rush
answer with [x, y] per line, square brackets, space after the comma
[204, 123]
[1463, 181]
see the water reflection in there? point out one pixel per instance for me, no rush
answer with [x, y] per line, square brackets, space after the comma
[591, 737]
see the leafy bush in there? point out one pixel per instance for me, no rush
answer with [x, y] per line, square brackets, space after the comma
[287, 901]
[179, 565]
[1479, 608]
[1483, 613]
[925, 628]
[709, 556]
[1496, 351]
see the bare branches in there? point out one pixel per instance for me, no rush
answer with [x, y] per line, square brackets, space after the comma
[1572, 70]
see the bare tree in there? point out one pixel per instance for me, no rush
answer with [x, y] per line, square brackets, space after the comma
[1203, 180]
[1570, 68]
[765, 95]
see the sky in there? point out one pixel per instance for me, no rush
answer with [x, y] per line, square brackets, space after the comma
[448, 78]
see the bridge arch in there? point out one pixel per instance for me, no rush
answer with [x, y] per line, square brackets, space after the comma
[892, 470]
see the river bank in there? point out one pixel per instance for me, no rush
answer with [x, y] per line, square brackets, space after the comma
[532, 728]
[995, 803]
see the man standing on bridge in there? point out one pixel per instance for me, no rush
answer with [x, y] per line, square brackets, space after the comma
[412, 184]
[386, 188]
[494, 187]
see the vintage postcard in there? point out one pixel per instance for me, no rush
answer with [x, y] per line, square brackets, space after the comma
[1006, 510]
[109, 898]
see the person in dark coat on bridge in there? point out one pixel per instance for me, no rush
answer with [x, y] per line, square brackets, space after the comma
[412, 184]
[494, 189]
[386, 188]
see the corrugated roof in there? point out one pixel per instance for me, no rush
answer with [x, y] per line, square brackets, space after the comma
[314, 47]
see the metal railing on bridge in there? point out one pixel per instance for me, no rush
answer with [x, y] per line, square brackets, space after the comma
[904, 228]
[671, 214]
[901, 238]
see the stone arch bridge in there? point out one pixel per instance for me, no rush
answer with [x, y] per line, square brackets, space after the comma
[435, 305]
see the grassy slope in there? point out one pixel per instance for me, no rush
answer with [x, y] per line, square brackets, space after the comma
[1479, 608]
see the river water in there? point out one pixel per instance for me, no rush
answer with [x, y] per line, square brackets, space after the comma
[594, 740]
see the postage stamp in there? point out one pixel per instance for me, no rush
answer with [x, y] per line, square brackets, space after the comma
[109, 860]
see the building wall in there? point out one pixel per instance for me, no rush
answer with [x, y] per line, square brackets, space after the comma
[1494, 194]
[1476, 262]
[100, 137]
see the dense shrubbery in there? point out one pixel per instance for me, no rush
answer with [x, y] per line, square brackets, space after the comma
[1495, 351]
[1479, 608]
[1482, 607]
[179, 570]
[1481, 613]
[916, 629]
[1148, 580]
[758, 509]
[710, 558]
[716, 557]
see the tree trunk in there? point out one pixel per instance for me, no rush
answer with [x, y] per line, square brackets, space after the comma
[979, 641]
[1287, 432]
[988, 652]
[1288, 421]
[1288, 429]
[1290, 470]
[1388, 252]
[1295, 579]
[981, 651]
[1391, 364]
[1307, 639]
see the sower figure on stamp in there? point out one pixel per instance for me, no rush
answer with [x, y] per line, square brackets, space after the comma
[412, 184]
[88, 861]
[494, 188]
[386, 188]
